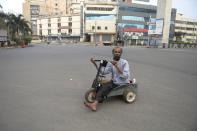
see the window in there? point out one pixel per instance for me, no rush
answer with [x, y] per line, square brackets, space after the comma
[100, 8]
[100, 17]
[59, 20]
[70, 18]
[59, 25]
[106, 28]
[49, 25]
[70, 24]
[49, 32]
[70, 31]
[134, 18]
[98, 28]
[135, 9]
[40, 32]
[40, 25]
[93, 27]
[139, 26]
[59, 30]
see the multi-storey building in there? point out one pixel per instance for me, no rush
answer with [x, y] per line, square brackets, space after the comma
[186, 29]
[58, 26]
[96, 22]
[32, 9]
[105, 21]
[100, 22]
[134, 24]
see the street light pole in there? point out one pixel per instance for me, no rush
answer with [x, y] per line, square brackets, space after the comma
[95, 33]
[149, 23]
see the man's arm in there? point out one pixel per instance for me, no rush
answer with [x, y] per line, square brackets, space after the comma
[92, 60]
[115, 63]
[123, 71]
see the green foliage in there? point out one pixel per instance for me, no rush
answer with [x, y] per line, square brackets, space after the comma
[2, 20]
[2, 24]
[17, 40]
[17, 27]
[27, 39]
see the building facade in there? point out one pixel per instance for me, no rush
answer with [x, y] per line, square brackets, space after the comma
[185, 29]
[32, 9]
[102, 22]
[135, 22]
[3, 35]
[58, 27]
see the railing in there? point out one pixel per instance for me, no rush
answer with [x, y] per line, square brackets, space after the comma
[182, 45]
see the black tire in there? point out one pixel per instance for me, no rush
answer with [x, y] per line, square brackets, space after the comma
[90, 95]
[129, 96]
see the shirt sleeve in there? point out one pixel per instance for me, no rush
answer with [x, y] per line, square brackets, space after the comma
[107, 69]
[125, 71]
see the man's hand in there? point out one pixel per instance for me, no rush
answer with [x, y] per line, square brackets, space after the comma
[114, 63]
[92, 60]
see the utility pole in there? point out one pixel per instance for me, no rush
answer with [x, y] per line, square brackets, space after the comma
[164, 8]
[95, 33]
[149, 23]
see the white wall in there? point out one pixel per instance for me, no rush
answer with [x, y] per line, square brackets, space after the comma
[75, 20]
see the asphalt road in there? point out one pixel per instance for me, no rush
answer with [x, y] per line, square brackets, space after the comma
[42, 89]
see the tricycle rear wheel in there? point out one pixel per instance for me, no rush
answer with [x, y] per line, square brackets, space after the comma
[90, 95]
[129, 96]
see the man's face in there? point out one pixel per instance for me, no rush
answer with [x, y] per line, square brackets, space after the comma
[117, 54]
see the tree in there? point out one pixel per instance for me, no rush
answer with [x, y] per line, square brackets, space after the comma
[2, 21]
[18, 28]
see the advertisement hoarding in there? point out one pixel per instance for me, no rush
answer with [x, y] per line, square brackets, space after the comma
[159, 27]
[156, 27]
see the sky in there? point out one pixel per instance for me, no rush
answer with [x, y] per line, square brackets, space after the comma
[186, 7]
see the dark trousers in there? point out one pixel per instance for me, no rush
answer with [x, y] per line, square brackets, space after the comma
[104, 90]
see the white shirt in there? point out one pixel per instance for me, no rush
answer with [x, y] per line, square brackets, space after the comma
[117, 78]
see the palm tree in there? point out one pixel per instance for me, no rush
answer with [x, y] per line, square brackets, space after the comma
[2, 20]
[18, 28]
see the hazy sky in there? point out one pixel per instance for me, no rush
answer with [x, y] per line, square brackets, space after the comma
[187, 7]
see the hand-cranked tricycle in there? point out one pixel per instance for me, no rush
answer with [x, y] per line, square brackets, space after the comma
[128, 91]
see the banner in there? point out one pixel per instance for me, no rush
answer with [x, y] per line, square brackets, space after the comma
[159, 27]
[156, 28]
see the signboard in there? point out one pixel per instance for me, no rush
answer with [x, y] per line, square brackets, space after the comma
[159, 26]
[151, 26]
[134, 37]
[34, 11]
[156, 27]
